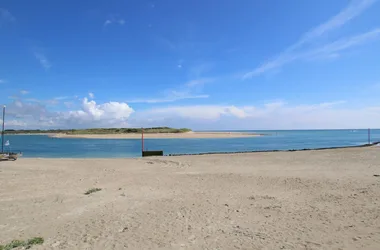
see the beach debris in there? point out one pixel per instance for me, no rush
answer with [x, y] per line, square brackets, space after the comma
[123, 229]
[92, 190]
[376, 175]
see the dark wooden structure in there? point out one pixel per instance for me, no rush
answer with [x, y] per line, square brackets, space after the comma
[152, 153]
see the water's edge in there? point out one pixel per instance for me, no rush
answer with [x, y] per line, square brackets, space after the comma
[287, 150]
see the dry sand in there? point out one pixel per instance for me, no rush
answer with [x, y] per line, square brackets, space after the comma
[188, 135]
[326, 199]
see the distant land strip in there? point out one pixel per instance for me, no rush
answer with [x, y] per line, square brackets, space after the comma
[132, 133]
[96, 131]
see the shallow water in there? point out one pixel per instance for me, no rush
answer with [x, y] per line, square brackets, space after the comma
[44, 146]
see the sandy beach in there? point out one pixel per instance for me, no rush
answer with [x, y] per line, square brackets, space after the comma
[188, 135]
[326, 199]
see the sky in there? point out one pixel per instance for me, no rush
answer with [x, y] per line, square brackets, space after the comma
[202, 64]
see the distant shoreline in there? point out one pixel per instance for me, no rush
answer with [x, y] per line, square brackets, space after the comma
[187, 135]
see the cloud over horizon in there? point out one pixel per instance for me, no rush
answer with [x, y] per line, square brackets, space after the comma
[90, 114]
[22, 114]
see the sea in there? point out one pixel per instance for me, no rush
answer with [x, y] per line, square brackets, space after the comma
[47, 147]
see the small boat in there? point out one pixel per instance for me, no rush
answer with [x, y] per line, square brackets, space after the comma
[9, 156]
[5, 156]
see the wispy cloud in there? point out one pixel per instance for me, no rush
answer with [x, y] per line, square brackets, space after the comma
[297, 50]
[175, 96]
[186, 91]
[114, 20]
[68, 104]
[198, 82]
[91, 95]
[2, 81]
[6, 16]
[60, 98]
[200, 69]
[50, 102]
[345, 43]
[43, 60]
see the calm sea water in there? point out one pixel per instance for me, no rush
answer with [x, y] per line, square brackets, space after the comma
[44, 146]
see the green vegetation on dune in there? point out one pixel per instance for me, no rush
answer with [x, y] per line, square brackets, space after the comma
[21, 243]
[100, 131]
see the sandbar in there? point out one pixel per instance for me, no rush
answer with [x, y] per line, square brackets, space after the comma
[188, 135]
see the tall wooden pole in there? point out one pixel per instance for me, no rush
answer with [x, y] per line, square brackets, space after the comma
[2, 131]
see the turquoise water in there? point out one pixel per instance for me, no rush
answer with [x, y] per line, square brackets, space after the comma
[44, 146]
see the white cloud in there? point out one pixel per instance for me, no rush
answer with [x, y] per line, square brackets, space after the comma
[14, 123]
[91, 114]
[68, 104]
[276, 115]
[6, 16]
[20, 109]
[111, 114]
[114, 19]
[107, 22]
[297, 50]
[91, 95]
[24, 92]
[43, 60]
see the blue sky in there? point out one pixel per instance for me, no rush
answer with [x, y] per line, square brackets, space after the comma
[204, 64]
